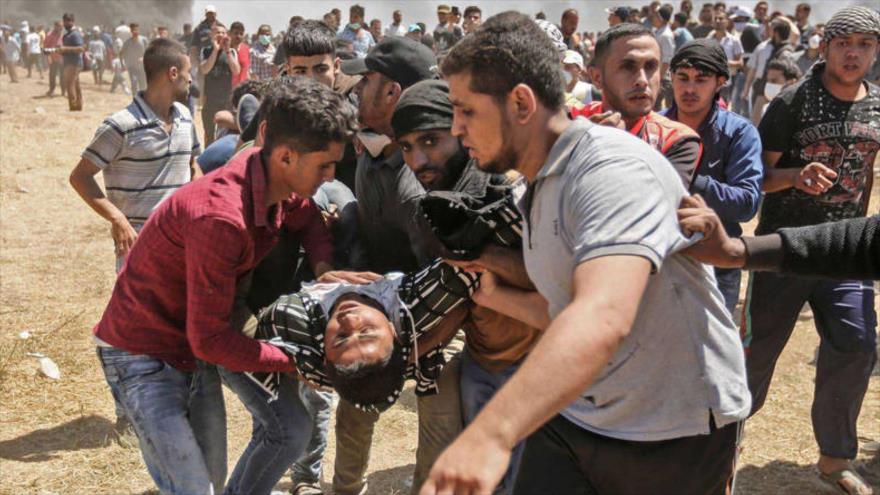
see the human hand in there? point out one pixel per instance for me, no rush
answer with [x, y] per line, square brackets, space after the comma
[609, 118]
[716, 248]
[473, 464]
[358, 278]
[815, 179]
[488, 284]
[123, 235]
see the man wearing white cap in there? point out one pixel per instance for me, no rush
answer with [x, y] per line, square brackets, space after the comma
[572, 68]
[201, 37]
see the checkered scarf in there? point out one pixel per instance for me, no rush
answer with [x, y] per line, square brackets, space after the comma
[854, 19]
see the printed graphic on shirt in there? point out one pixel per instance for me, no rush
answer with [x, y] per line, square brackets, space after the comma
[808, 124]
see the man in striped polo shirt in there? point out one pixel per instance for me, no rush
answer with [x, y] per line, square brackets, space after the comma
[146, 151]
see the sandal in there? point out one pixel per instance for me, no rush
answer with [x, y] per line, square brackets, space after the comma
[847, 481]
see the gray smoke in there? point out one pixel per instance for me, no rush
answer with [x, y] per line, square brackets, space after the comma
[169, 13]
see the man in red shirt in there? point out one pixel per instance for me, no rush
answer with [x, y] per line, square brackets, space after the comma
[626, 67]
[171, 305]
[242, 50]
[53, 40]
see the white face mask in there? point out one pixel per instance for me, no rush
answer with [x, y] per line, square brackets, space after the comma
[566, 76]
[771, 90]
[740, 26]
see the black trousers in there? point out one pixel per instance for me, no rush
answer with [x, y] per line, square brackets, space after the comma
[562, 458]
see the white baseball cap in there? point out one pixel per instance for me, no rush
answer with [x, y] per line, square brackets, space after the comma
[210, 8]
[573, 57]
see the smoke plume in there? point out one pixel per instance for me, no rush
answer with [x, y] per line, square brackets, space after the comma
[169, 13]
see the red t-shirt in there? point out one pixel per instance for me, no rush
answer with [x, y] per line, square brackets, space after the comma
[174, 295]
[244, 60]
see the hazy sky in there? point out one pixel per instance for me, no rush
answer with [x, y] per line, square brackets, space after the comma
[592, 12]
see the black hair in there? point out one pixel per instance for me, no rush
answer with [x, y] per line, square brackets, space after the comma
[622, 30]
[357, 10]
[803, 6]
[782, 28]
[236, 25]
[681, 18]
[665, 12]
[254, 87]
[541, 16]
[472, 8]
[789, 69]
[509, 49]
[374, 384]
[309, 38]
[68, 16]
[569, 12]
[162, 54]
[307, 115]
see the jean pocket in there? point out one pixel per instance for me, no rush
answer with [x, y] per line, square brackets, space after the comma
[138, 368]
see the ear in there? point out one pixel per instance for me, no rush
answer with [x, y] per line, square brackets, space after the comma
[595, 76]
[524, 103]
[720, 81]
[260, 139]
[173, 73]
[336, 64]
[393, 92]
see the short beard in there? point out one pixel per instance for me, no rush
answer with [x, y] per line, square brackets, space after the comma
[507, 158]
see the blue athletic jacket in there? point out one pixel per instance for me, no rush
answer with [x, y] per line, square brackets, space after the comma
[730, 173]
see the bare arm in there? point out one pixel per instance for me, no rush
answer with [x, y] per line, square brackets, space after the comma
[527, 306]
[206, 65]
[194, 169]
[82, 179]
[815, 178]
[572, 353]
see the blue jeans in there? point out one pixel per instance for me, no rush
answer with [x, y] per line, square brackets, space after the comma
[281, 429]
[179, 418]
[478, 386]
[728, 281]
[739, 104]
[319, 403]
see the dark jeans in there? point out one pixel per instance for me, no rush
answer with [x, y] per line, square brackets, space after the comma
[846, 321]
[562, 458]
[208, 111]
[729, 281]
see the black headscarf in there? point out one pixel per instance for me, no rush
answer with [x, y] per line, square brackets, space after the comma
[704, 54]
[424, 105]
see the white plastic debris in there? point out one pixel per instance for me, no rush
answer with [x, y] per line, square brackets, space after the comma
[22, 189]
[40, 110]
[47, 367]
[24, 335]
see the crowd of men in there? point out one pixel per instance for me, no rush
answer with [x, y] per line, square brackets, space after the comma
[366, 196]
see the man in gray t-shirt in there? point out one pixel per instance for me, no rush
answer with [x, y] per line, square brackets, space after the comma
[638, 383]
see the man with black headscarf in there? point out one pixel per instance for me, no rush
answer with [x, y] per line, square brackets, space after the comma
[730, 172]
[495, 343]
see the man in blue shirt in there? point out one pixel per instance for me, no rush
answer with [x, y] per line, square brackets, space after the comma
[680, 30]
[730, 173]
[72, 48]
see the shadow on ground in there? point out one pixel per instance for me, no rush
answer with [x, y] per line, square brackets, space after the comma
[788, 478]
[85, 432]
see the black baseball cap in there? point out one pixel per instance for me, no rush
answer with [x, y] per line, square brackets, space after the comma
[622, 13]
[401, 59]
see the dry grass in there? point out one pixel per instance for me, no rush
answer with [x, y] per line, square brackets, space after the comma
[56, 271]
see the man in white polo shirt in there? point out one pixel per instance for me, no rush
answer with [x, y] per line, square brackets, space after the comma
[146, 151]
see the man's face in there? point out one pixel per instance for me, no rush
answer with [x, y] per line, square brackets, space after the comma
[695, 90]
[376, 103]
[181, 80]
[235, 36]
[376, 29]
[397, 17]
[210, 17]
[686, 7]
[472, 21]
[355, 18]
[802, 15]
[775, 76]
[218, 33]
[303, 173]
[135, 32]
[435, 156]
[483, 126]
[441, 17]
[706, 15]
[720, 22]
[265, 31]
[613, 20]
[761, 11]
[357, 331]
[849, 58]
[569, 24]
[163, 33]
[57, 27]
[321, 68]
[629, 76]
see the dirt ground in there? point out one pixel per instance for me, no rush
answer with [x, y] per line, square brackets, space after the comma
[56, 271]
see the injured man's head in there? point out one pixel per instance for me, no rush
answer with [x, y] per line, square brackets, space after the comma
[364, 357]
